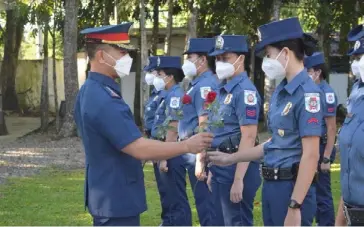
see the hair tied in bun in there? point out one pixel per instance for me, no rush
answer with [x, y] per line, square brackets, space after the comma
[310, 44]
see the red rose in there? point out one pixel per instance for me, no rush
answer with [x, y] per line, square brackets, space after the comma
[186, 99]
[211, 96]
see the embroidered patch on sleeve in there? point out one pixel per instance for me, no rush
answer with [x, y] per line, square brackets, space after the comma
[250, 97]
[204, 91]
[313, 120]
[174, 103]
[330, 98]
[312, 102]
[251, 112]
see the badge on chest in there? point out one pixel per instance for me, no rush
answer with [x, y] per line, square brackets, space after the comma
[228, 99]
[286, 109]
[312, 102]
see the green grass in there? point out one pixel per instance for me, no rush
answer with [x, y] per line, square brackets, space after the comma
[56, 198]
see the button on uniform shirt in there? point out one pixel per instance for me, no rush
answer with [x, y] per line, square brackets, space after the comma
[329, 103]
[356, 96]
[114, 185]
[294, 112]
[351, 145]
[198, 90]
[151, 108]
[240, 104]
[168, 107]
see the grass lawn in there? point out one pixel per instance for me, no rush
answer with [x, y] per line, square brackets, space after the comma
[56, 198]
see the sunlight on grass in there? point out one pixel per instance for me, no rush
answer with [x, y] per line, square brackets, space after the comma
[56, 198]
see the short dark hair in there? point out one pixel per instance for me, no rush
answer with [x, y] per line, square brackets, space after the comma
[210, 61]
[323, 68]
[176, 73]
[92, 48]
[295, 45]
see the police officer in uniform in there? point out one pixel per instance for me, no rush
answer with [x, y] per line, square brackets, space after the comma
[114, 146]
[149, 115]
[168, 115]
[234, 187]
[197, 69]
[351, 143]
[325, 215]
[294, 120]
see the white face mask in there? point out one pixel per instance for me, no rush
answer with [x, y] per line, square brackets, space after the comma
[159, 83]
[149, 78]
[355, 68]
[123, 65]
[313, 77]
[361, 68]
[273, 69]
[225, 70]
[189, 69]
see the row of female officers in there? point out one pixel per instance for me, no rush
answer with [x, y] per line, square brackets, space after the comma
[295, 161]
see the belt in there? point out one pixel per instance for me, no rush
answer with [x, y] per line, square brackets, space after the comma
[354, 215]
[282, 174]
[227, 150]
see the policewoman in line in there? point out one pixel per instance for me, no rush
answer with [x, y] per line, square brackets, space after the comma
[294, 120]
[325, 215]
[169, 76]
[351, 143]
[149, 115]
[114, 146]
[202, 80]
[234, 187]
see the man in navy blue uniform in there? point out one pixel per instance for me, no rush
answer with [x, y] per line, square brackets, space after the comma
[114, 187]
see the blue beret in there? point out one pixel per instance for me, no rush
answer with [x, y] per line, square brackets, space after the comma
[358, 47]
[230, 43]
[200, 45]
[316, 58]
[356, 33]
[277, 31]
[169, 62]
[111, 34]
[151, 64]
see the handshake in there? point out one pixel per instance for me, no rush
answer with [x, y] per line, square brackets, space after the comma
[199, 142]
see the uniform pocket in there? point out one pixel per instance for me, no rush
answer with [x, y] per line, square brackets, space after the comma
[133, 171]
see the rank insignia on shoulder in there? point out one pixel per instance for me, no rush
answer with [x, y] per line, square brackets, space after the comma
[286, 109]
[174, 102]
[312, 102]
[112, 93]
[281, 132]
[250, 97]
[228, 99]
[204, 91]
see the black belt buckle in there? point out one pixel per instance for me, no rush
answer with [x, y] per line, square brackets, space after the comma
[354, 215]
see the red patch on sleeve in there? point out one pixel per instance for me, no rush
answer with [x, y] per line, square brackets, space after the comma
[313, 120]
[331, 109]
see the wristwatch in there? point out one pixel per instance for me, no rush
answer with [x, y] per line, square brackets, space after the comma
[294, 204]
[325, 160]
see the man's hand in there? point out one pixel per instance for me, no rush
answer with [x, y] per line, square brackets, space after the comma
[325, 167]
[219, 158]
[199, 142]
[236, 191]
[163, 166]
[200, 168]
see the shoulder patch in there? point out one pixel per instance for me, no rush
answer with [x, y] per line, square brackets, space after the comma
[204, 91]
[312, 102]
[112, 93]
[174, 103]
[250, 97]
[330, 98]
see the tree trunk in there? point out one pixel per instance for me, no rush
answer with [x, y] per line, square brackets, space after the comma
[276, 9]
[167, 48]
[155, 33]
[55, 89]
[44, 97]
[106, 20]
[323, 17]
[140, 83]
[3, 129]
[192, 20]
[70, 67]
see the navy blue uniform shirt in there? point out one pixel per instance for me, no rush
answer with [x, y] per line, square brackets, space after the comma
[114, 185]
[295, 111]
[151, 107]
[329, 103]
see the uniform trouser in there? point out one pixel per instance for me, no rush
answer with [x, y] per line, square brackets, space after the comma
[325, 214]
[127, 221]
[276, 196]
[177, 169]
[162, 184]
[235, 214]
